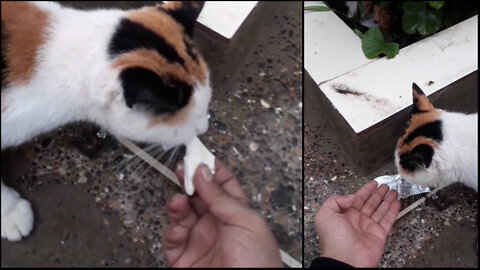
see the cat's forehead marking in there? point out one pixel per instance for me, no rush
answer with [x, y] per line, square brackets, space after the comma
[424, 128]
[166, 27]
[25, 26]
[407, 148]
[150, 60]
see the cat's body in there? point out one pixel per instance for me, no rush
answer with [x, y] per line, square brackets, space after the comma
[135, 73]
[439, 147]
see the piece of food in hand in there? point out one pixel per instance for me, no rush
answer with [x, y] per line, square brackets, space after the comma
[196, 154]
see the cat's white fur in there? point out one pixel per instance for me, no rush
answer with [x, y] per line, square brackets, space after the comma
[456, 160]
[74, 81]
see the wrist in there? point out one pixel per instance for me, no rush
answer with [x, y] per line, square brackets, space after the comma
[339, 256]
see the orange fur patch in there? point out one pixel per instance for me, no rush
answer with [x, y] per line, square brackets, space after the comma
[173, 5]
[406, 148]
[402, 171]
[173, 33]
[417, 121]
[423, 104]
[25, 25]
[151, 60]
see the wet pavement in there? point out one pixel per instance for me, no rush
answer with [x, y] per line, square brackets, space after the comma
[440, 233]
[93, 208]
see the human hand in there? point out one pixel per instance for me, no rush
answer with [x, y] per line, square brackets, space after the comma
[353, 229]
[215, 227]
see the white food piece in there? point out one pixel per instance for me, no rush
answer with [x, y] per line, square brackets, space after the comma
[196, 154]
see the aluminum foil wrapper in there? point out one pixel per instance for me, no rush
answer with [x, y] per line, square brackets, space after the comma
[399, 184]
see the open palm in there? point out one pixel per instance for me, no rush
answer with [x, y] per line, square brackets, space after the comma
[354, 228]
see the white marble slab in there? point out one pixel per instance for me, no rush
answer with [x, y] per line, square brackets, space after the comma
[384, 86]
[331, 47]
[225, 17]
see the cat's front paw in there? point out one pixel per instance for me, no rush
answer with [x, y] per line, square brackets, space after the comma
[18, 221]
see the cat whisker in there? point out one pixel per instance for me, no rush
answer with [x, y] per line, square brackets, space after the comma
[156, 156]
[136, 160]
[143, 163]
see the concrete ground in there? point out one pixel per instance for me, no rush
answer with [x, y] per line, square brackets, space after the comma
[92, 209]
[441, 233]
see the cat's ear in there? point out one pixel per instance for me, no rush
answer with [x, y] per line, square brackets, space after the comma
[420, 101]
[146, 89]
[184, 12]
[419, 157]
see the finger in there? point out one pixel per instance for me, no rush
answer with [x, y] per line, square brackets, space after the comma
[336, 204]
[174, 241]
[180, 171]
[180, 212]
[228, 181]
[198, 205]
[374, 201]
[387, 221]
[221, 204]
[384, 206]
[364, 193]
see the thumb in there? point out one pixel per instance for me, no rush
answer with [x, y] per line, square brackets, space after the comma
[222, 205]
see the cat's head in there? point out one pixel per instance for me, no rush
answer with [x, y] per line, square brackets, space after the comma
[416, 149]
[164, 79]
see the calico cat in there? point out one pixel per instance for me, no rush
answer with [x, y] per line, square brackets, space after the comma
[438, 147]
[135, 73]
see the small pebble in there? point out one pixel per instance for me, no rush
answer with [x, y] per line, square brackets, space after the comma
[253, 146]
[264, 104]
[82, 179]
[62, 171]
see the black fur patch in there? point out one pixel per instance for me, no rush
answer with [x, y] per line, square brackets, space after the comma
[420, 156]
[146, 89]
[431, 130]
[130, 36]
[417, 89]
[190, 52]
[186, 15]
[415, 108]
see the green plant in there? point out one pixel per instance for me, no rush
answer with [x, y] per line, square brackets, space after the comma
[400, 23]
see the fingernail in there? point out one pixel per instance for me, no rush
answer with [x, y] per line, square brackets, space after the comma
[207, 175]
[180, 166]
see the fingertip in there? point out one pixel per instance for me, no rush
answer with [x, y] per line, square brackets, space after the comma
[372, 182]
[395, 193]
[177, 203]
[180, 169]
[174, 235]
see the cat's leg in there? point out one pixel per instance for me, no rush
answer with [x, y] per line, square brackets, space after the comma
[17, 215]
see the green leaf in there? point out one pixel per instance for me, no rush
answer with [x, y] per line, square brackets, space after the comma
[358, 32]
[391, 49]
[374, 44]
[417, 17]
[436, 4]
[317, 8]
